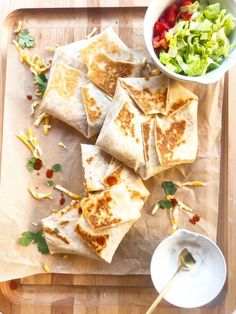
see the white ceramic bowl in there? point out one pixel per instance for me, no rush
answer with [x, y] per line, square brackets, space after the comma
[198, 286]
[154, 11]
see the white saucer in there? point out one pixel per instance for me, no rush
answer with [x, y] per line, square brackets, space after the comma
[202, 283]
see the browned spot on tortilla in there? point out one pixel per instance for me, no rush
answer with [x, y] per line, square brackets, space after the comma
[147, 78]
[146, 137]
[96, 241]
[64, 81]
[148, 99]
[114, 178]
[179, 104]
[167, 141]
[98, 212]
[89, 160]
[104, 72]
[125, 121]
[56, 234]
[64, 222]
[69, 208]
[93, 110]
[103, 43]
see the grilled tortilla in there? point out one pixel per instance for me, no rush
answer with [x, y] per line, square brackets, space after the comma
[121, 134]
[176, 136]
[63, 99]
[108, 208]
[96, 104]
[68, 232]
[148, 93]
[95, 163]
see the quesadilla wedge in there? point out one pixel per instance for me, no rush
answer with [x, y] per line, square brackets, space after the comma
[121, 134]
[149, 93]
[96, 104]
[63, 99]
[176, 136]
[68, 232]
[177, 97]
[108, 208]
[95, 163]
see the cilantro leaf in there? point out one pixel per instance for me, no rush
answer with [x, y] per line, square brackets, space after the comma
[42, 82]
[30, 164]
[28, 237]
[165, 204]
[49, 183]
[169, 187]
[25, 39]
[56, 167]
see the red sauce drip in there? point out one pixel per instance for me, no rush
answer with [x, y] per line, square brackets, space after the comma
[174, 202]
[194, 219]
[38, 164]
[13, 284]
[112, 180]
[29, 97]
[49, 173]
[62, 200]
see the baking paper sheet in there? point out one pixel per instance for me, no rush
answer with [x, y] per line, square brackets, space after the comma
[19, 209]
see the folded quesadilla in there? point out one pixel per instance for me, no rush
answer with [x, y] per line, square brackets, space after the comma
[121, 134]
[162, 135]
[176, 136]
[68, 232]
[108, 208]
[63, 99]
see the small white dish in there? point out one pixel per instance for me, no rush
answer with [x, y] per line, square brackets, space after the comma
[154, 11]
[198, 286]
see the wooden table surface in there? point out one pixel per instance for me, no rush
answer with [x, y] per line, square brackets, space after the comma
[227, 307]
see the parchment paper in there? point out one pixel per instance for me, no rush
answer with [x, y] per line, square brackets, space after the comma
[19, 209]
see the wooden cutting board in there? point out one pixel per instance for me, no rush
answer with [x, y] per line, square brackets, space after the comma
[56, 293]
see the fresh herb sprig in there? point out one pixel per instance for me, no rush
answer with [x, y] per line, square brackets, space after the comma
[169, 189]
[29, 237]
[26, 40]
[42, 82]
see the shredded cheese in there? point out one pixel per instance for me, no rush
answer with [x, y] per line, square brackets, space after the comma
[155, 209]
[174, 213]
[62, 145]
[193, 183]
[67, 192]
[40, 196]
[93, 32]
[38, 93]
[19, 27]
[46, 268]
[33, 106]
[26, 141]
[40, 118]
[185, 207]
[37, 64]
[144, 62]
[46, 126]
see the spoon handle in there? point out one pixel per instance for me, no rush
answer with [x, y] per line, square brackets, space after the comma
[163, 292]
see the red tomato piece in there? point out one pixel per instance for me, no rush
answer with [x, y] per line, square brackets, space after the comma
[171, 14]
[185, 3]
[186, 16]
[160, 27]
[156, 41]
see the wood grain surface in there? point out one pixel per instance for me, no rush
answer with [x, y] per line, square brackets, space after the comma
[65, 294]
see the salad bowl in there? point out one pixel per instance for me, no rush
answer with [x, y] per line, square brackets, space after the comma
[155, 11]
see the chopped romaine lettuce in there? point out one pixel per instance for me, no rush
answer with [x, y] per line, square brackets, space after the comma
[200, 44]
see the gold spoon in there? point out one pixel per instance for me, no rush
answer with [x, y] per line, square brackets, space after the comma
[186, 262]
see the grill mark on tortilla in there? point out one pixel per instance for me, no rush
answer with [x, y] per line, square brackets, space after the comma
[64, 222]
[69, 208]
[95, 241]
[146, 137]
[148, 99]
[125, 121]
[57, 234]
[106, 77]
[168, 140]
[98, 211]
[64, 81]
[93, 110]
